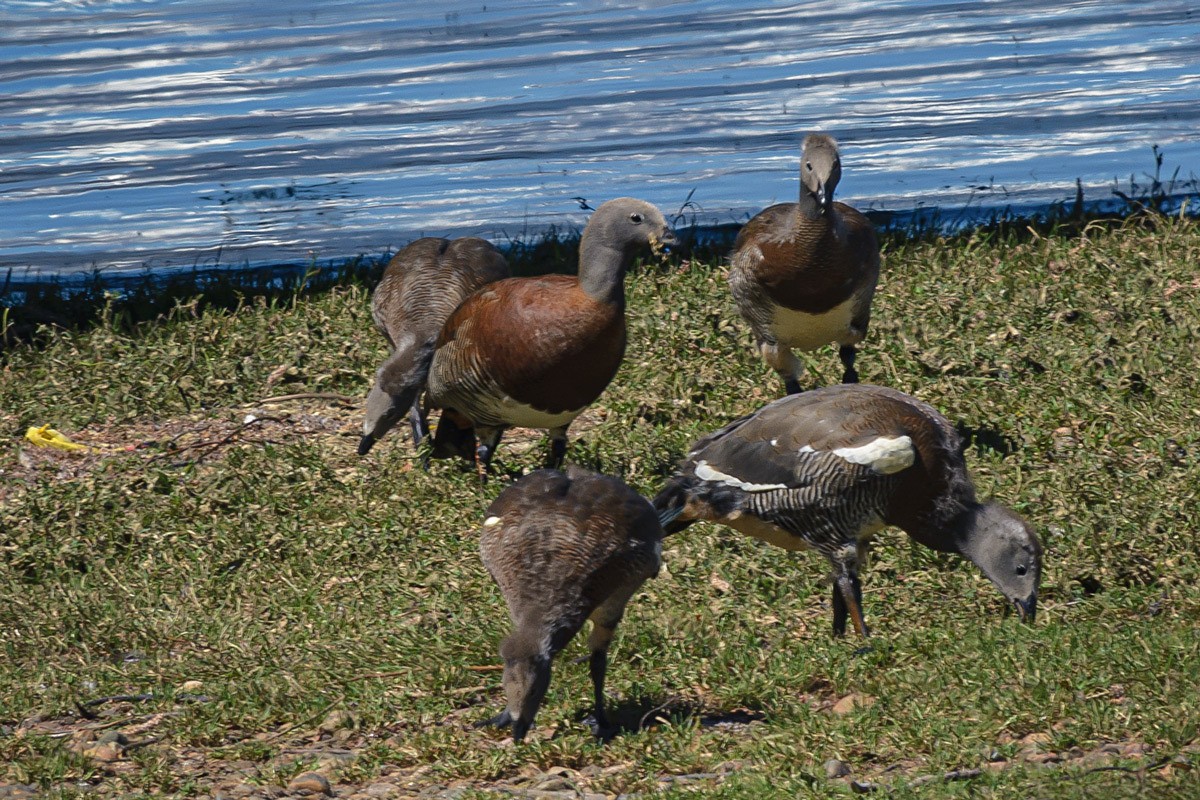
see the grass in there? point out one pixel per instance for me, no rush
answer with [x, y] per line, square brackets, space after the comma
[292, 579]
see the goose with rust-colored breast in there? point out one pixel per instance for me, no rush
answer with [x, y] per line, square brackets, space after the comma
[421, 286]
[535, 352]
[564, 548]
[825, 469]
[803, 274]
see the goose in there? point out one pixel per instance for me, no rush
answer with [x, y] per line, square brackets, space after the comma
[421, 286]
[803, 274]
[826, 469]
[535, 352]
[564, 548]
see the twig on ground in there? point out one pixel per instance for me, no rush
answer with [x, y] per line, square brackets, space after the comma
[341, 398]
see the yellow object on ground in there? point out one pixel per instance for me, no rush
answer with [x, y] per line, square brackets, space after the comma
[46, 436]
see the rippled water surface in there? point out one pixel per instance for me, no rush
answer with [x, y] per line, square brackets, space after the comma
[155, 133]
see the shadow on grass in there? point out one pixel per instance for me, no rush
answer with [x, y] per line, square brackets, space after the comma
[643, 713]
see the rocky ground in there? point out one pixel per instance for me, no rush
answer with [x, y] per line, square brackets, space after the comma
[111, 733]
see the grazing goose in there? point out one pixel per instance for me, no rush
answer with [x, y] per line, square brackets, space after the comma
[564, 548]
[827, 468]
[803, 274]
[421, 286]
[535, 352]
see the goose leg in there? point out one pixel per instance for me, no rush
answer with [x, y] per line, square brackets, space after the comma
[604, 624]
[420, 424]
[489, 439]
[847, 601]
[558, 447]
[781, 359]
[847, 354]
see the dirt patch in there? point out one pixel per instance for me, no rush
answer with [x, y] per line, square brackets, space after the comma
[116, 740]
[335, 421]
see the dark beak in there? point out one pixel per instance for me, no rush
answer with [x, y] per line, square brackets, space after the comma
[825, 197]
[365, 444]
[668, 238]
[1027, 608]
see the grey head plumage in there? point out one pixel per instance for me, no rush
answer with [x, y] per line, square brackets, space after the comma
[820, 170]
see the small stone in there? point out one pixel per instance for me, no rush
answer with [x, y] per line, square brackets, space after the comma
[836, 769]
[336, 720]
[381, 790]
[109, 751]
[190, 686]
[862, 787]
[310, 783]
[1044, 758]
[114, 737]
[554, 784]
[852, 701]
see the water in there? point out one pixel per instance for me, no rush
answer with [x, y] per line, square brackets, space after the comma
[157, 133]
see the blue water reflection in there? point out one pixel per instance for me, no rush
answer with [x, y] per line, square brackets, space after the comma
[171, 133]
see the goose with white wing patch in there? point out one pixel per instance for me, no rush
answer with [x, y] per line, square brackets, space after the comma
[826, 469]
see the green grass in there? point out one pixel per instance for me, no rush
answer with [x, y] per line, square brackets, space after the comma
[292, 578]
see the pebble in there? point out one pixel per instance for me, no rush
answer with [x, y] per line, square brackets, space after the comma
[108, 751]
[336, 720]
[836, 769]
[310, 783]
[17, 791]
[381, 790]
[852, 701]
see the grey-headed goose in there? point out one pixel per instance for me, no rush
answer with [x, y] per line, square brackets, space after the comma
[421, 286]
[827, 468]
[803, 274]
[564, 548]
[535, 352]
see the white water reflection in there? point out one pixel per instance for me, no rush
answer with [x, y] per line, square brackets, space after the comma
[170, 133]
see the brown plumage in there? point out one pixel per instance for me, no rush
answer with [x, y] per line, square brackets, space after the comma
[825, 469]
[803, 274]
[421, 286]
[564, 548]
[535, 352]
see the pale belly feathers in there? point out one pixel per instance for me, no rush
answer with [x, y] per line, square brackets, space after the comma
[810, 331]
[515, 413]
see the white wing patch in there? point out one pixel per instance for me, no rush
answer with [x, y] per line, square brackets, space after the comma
[886, 455]
[706, 473]
[490, 521]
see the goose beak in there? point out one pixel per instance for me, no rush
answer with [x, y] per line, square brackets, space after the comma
[1027, 608]
[664, 241]
[825, 198]
[365, 444]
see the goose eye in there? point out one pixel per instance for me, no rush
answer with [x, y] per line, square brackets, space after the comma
[808, 166]
[1022, 569]
[635, 218]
